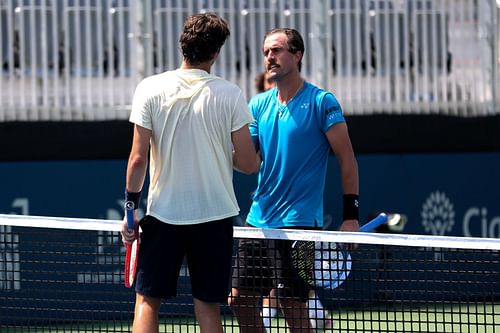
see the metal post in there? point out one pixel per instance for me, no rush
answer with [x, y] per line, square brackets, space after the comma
[487, 45]
[147, 38]
[495, 57]
[142, 39]
[318, 38]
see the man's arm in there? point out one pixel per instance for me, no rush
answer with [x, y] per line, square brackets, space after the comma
[339, 140]
[245, 159]
[136, 172]
[138, 159]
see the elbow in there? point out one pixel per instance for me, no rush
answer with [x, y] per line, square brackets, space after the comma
[138, 162]
[249, 167]
[253, 169]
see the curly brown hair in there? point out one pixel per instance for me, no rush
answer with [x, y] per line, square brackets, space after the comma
[202, 37]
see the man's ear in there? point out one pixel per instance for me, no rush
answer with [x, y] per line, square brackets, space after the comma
[298, 56]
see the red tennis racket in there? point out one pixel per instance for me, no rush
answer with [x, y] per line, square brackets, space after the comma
[132, 249]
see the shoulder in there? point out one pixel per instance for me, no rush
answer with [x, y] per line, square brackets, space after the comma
[325, 101]
[153, 79]
[154, 84]
[322, 97]
[327, 107]
[222, 84]
[263, 97]
[262, 101]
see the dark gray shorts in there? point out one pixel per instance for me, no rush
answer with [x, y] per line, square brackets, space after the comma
[265, 264]
[207, 248]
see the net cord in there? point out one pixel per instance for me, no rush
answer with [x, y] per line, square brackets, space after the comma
[257, 233]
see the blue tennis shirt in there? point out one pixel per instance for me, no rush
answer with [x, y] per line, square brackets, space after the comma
[295, 151]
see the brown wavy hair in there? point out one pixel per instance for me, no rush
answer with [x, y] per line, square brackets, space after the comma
[203, 36]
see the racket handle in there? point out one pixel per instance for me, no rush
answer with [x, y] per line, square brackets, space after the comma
[373, 224]
[129, 211]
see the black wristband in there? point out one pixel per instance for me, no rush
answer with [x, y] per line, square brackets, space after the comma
[134, 197]
[351, 207]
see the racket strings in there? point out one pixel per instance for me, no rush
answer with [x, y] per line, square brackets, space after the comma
[321, 264]
[334, 264]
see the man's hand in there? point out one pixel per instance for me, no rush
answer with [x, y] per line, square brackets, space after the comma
[232, 295]
[128, 236]
[349, 226]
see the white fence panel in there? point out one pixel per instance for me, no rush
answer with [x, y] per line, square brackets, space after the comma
[81, 59]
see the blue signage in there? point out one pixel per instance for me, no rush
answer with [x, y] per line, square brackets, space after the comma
[440, 194]
[446, 194]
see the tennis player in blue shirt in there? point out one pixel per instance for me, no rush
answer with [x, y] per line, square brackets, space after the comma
[296, 127]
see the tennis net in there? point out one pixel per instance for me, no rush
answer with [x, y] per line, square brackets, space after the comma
[66, 275]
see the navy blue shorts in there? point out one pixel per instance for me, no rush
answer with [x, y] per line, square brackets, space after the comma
[207, 248]
[265, 264]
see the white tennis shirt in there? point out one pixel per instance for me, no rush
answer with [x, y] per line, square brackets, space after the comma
[191, 114]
